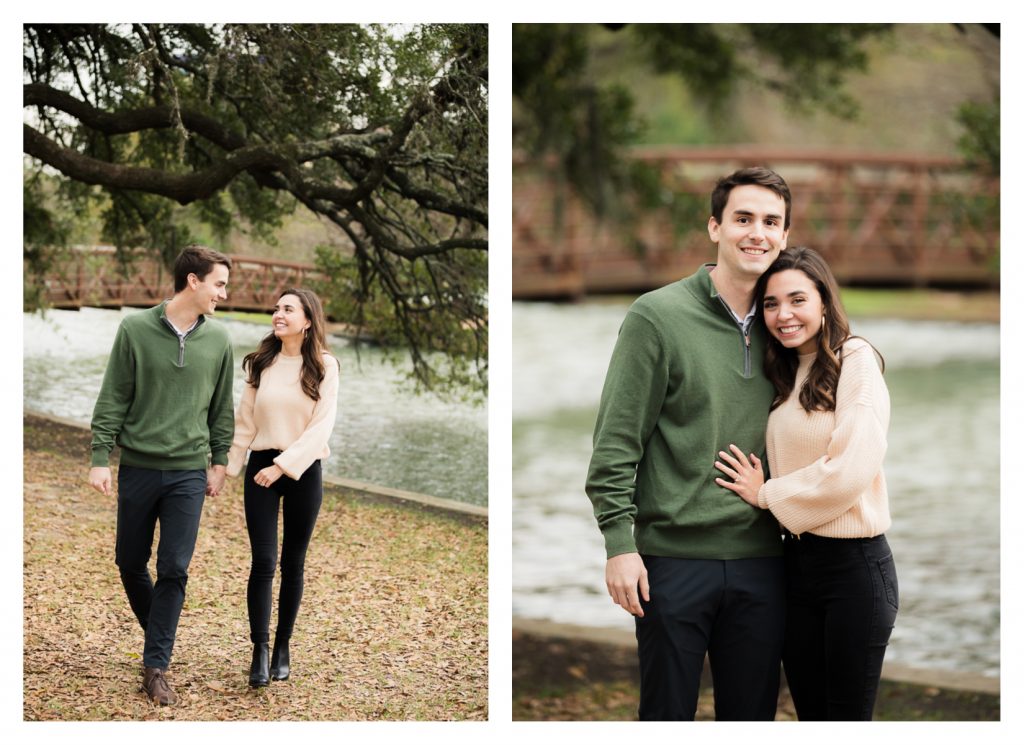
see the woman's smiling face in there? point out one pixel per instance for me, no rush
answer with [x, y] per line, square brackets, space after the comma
[289, 318]
[793, 310]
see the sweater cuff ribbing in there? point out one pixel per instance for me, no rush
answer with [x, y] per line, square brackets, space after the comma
[762, 496]
[100, 458]
[618, 539]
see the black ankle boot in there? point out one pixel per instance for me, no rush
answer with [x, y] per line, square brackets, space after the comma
[259, 672]
[280, 664]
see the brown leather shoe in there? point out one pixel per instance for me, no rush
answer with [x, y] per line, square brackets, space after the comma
[155, 685]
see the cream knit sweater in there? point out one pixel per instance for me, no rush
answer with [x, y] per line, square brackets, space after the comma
[826, 467]
[279, 416]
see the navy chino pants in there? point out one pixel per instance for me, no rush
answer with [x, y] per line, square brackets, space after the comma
[175, 499]
[731, 610]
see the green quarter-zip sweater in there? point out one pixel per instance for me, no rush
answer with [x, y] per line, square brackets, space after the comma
[683, 383]
[166, 402]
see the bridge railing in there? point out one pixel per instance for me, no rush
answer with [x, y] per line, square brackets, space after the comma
[257, 283]
[877, 218]
[92, 276]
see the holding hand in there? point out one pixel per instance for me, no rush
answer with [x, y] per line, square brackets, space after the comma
[215, 480]
[747, 475]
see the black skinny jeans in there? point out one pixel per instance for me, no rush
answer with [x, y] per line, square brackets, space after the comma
[302, 499]
[842, 599]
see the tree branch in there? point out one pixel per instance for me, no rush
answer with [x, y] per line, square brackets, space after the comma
[183, 188]
[433, 200]
[136, 120]
[412, 252]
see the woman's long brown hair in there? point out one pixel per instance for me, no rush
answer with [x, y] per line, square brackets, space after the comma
[314, 345]
[819, 390]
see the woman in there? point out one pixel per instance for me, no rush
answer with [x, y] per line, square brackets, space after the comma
[826, 440]
[285, 418]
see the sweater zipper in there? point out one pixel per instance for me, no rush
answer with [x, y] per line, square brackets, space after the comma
[746, 356]
[181, 343]
[744, 334]
[181, 340]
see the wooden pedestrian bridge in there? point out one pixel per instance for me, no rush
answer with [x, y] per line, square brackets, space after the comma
[879, 219]
[93, 276]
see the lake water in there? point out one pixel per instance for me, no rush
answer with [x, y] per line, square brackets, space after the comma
[942, 468]
[385, 434]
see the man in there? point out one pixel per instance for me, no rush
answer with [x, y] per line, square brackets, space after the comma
[166, 400]
[699, 569]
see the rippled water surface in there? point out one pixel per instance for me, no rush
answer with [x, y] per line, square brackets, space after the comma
[384, 434]
[942, 468]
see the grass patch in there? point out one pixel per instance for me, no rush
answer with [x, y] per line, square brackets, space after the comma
[921, 304]
[237, 315]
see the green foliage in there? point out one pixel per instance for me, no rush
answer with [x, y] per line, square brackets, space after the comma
[448, 325]
[564, 110]
[647, 188]
[584, 123]
[44, 233]
[379, 130]
[553, 80]
[980, 142]
[807, 63]
[345, 293]
[979, 145]
[133, 219]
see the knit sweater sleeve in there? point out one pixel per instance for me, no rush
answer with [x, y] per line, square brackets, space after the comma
[313, 441]
[116, 394]
[634, 391]
[245, 431]
[828, 487]
[221, 415]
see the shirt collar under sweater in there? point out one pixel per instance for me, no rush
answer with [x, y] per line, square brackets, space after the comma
[745, 322]
[170, 324]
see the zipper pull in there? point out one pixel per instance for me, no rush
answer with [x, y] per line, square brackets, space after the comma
[746, 338]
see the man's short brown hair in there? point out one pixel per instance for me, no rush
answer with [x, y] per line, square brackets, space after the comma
[755, 176]
[197, 260]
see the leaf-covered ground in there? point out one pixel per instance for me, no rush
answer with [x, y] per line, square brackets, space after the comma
[393, 623]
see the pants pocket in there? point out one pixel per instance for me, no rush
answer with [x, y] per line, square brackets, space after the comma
[887, 569]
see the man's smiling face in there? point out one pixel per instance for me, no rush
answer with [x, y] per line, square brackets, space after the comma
[751, 234]
[210, 289]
